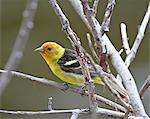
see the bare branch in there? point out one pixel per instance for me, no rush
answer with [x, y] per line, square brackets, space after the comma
[110, 112]
[110, 103]
[139, 37]
[91, 47]
[41, 112]
[107, 17]
[120, 51]
[125, 38]
[145, 86]
[95, 5]
[21, 40]
[101, 111]
[138, 40]
[80, 55]
[79, 9]
[112, 85]
[75, 114]
[100, 48]
[88, 14]
[62, 87]
[50, 103]
[117, 63]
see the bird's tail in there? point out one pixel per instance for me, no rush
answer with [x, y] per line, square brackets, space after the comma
[123, 93]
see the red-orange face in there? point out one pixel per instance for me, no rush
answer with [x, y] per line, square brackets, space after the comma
[50, 51]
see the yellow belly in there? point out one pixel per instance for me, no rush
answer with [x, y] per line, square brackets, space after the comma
[72, 78]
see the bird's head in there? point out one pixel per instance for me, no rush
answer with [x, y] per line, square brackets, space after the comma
[51, 52]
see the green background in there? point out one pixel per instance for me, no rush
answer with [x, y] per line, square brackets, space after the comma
[22, 94]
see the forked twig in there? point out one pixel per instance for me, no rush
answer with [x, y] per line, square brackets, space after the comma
[145, 86]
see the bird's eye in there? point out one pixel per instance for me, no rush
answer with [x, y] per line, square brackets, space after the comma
[49, 49]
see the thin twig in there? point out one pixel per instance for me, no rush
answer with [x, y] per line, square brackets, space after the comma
[101, 111]
[94, 28]
[108, 83]
[106, 22]
[41, 112]
[105, 28]
[75, 114]
[107, 16]
[92, 48]
[106, 76]
[116, 61]
[50, 103]
[139, 37]
[95, 5]
[138, 40]
[144, 87]
[112, 85]
[86, 10]
[124, 38]
[127, 114]
[110, 103]
[120, 51]
[80, 55]
[21, 40]
[79, 9]
[63, 87]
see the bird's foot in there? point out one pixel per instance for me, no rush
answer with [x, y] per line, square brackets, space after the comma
[83, 90]
[65, 86]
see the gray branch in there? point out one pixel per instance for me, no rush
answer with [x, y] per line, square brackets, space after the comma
[98, 36]
[77, 45]
[95, 5]
[117, 62]
[20, 43]
[75, 41]
[107, 16]
[139, 38]
[124, 38]
[101, 111]
[132, 53]
[145, 86]
[63, 87]
[75, 114]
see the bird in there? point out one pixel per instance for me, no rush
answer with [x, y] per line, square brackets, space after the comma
[64, 64]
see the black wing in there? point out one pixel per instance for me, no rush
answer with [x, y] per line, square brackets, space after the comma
[69, 63]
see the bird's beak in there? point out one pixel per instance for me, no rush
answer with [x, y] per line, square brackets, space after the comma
[40, 49]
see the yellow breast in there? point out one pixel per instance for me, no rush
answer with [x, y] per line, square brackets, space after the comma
[71, 78]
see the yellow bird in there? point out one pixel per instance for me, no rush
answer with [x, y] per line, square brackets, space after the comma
[64, 65]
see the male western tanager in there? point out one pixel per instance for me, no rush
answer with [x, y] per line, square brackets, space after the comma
[65, 66]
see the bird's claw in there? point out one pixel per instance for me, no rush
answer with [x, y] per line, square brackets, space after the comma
[65, 86]
[83, 89]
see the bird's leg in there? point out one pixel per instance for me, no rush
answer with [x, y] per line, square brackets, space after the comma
[65, 86]
[83, 89]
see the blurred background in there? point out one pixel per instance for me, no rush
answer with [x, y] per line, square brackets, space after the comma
[23, 94]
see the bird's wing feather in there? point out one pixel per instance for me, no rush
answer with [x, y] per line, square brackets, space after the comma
[69, 63]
